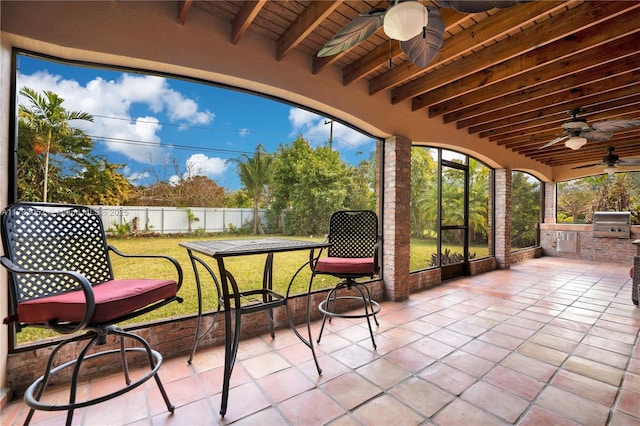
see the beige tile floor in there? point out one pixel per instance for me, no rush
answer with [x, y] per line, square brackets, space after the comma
[550, 341]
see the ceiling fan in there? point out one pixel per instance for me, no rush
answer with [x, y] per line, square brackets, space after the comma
[612, 160]
[419, 28]
[578, 132]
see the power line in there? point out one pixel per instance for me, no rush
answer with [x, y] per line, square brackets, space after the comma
[170, 145]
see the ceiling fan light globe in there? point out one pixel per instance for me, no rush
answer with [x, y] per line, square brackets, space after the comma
[575, 142]
[405, 20]
[610, 170]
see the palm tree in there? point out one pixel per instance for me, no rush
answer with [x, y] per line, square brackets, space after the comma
[255, 174]
[49, 121]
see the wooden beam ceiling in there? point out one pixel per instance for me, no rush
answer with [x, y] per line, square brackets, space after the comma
[508, 76]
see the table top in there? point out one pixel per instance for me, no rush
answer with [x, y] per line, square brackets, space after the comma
[242, 247]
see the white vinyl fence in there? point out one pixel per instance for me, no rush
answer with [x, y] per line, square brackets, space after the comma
[170, 220]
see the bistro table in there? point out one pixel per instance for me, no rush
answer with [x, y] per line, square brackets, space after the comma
[264, 298]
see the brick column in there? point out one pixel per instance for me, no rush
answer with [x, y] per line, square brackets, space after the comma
[503, 218]
[396, 223]
[550, 189]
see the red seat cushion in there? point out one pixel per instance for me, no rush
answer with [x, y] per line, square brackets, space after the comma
[113, 299]
[345, 265]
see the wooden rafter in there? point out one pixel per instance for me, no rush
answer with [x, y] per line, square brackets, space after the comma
[244, 18]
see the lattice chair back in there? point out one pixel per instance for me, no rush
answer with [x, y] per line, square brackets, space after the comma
[353, 233]
[47, 237]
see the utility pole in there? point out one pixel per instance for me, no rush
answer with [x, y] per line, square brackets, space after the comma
[330, 132]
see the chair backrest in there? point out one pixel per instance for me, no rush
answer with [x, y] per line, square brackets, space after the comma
[40, 236]
[353, 233]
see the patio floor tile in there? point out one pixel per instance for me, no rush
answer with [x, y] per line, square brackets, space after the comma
[549, 341]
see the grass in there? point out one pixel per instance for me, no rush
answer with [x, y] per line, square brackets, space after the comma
[247, 271]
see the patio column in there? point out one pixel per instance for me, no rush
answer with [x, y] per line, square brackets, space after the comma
[396, 222]
[503, 218]
[550, 190]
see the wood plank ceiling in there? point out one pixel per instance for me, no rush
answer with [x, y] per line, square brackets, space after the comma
[510, 75]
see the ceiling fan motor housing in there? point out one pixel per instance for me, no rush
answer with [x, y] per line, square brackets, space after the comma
[610, 158]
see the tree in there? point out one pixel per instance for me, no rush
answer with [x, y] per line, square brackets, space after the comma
[478, 202]
[574, 200]
[114, 188]
[178, 187]
[192, 191]
[238, 198]
[525, 209]
[256, 175]
[424, 193]
[310, 184]
[361, 189]
[50, 131]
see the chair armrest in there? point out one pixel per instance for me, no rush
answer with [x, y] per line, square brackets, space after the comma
[313, 258]
[84, 284]
[152, 256]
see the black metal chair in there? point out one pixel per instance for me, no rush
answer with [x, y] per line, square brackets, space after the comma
[61, 278]
[354, 239]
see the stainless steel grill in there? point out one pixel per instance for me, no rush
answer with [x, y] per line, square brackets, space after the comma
[612, 225]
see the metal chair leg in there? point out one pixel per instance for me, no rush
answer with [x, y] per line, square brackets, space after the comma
[370, 306]
[35, 391]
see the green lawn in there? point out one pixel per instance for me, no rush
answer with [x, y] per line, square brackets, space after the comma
[246, 269]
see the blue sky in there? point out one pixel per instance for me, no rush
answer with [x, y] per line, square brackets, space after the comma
[150, 123]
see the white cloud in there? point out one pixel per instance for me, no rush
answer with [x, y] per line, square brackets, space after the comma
[244, 132]
[114, 100]
[317, 130]
[137, 176]
[301, 118]
[201, 165]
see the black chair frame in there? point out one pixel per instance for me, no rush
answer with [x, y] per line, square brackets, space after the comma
[345, 226]
[33, 235]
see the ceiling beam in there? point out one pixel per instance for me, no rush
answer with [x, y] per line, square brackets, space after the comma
[573, 78]
[244, 18]
[553, 130]
[519, 46]
[518, 103]
[305, 23]
[563, 103]
[368, 63]
[549, 62]
[183, 10]
[622, 105]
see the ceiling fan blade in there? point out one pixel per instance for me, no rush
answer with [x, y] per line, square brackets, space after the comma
[555, 141]
[475, 6]
[354, 32]
[422, 48]
[628, 162]
[596, 135]
[586, 166]
[615, 125]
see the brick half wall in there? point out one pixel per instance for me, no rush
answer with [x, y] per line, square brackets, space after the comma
[614, 250]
